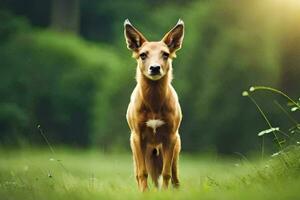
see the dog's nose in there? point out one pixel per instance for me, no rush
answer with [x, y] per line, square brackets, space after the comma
[154, 69]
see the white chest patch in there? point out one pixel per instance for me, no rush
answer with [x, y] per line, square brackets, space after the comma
[154, 124]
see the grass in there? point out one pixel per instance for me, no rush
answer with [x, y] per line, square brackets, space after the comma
[75, 174]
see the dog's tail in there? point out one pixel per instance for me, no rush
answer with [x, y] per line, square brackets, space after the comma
[154, 164]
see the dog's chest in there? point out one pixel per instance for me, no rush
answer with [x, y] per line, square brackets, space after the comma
[154, 127]
[154, 124]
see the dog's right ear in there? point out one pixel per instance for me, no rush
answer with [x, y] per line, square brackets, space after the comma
[134, 38]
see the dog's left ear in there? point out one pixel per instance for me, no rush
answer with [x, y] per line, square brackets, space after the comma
[173, 39]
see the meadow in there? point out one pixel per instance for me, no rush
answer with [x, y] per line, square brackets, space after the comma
[78, 174]
[66, 77]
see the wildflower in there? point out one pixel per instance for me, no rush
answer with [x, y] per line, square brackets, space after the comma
[275, 154]
[268, 131]
[252, 89]
[245, 93]
[293, 109]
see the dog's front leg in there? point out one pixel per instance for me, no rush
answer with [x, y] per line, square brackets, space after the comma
[168, 154]
[138, 150]
[175, 179]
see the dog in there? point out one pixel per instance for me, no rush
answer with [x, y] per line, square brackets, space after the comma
[154, 114]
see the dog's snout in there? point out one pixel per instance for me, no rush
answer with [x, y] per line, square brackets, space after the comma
[154, 69]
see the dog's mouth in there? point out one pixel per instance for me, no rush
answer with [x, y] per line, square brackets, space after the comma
[154, 73]
[155, 77]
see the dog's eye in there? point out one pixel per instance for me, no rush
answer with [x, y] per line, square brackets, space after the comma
[165, 55]
[143, 56]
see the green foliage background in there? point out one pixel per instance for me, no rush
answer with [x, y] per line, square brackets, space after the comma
[78, 86]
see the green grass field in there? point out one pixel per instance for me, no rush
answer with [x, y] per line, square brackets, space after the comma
[74, 174]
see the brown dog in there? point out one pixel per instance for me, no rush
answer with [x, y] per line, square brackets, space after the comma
[154, 113]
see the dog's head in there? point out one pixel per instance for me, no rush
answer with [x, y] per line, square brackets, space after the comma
[154, 58]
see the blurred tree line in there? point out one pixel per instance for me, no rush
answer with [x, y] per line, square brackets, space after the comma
[64, 65]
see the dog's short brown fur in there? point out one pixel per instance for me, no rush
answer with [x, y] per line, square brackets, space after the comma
[154, 113]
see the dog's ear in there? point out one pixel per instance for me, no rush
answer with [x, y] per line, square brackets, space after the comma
[134, 38]
[173, 39]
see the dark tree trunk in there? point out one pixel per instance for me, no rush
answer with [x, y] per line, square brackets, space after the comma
[65, 15]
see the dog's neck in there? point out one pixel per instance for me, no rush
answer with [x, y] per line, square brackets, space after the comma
[154, 93]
